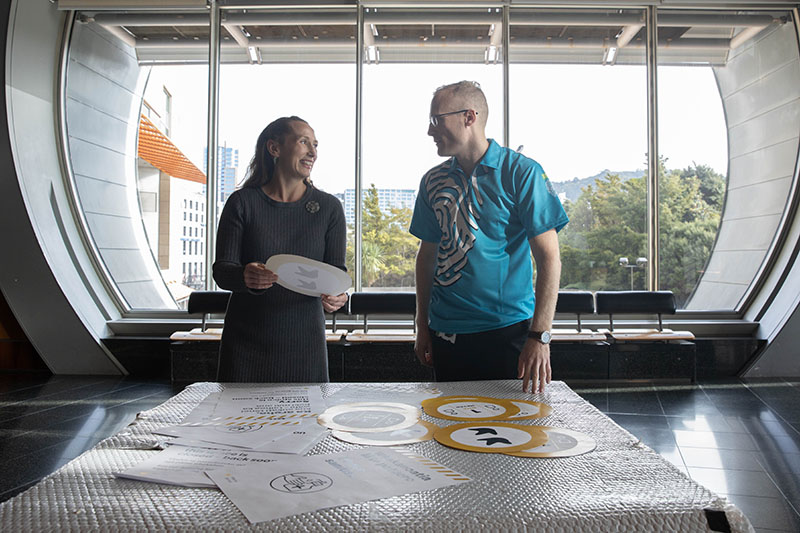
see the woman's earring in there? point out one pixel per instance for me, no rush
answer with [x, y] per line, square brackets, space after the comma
[275, 160]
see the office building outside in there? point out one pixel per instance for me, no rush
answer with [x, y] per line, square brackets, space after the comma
[387, 199]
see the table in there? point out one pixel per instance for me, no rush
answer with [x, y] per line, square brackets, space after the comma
[621, 486]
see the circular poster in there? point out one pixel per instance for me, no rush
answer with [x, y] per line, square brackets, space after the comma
[560, 443]
[307, 276]
[490, 437]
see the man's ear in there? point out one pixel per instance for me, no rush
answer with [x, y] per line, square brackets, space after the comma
[470, 117]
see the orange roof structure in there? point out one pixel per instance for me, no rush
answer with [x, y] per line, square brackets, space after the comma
[158, 150]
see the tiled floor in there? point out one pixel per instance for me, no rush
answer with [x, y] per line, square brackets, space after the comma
[46, 421]
[741, 439]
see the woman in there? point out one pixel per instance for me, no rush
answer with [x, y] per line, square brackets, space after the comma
[272, 334]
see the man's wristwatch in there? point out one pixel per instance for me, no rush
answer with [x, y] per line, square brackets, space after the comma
[541, 336]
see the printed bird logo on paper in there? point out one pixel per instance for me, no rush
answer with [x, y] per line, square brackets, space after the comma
[490, 440]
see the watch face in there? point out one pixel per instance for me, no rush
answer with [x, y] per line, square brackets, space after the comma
[545, 337]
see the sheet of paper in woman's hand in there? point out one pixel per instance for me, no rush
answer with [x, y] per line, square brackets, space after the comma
[307, 276]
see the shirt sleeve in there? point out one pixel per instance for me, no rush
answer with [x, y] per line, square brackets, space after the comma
[336, 238]
[228, 268]
[537, 202]
[424, 224]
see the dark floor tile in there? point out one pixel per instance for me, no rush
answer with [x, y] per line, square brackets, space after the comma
[777, 443]
[783, 398]
[67, 401]
[639, 421]
[36, 465]
[789, 485]
[15, 446]
[704, 423]
[741, 482]
[8, 494]
[779, 462]
[761, 425]
[634, 402]
[724, 459]
[13, 382]
[773, 514]
[713, 440]
[598, 399]
[60, 386]
[691, 402]
[658, 439]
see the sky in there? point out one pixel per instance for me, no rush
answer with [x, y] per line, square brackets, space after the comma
[576, 120]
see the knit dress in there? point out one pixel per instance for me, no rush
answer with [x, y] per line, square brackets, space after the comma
[275, 335]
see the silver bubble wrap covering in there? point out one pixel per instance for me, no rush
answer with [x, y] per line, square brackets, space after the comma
[621, 486]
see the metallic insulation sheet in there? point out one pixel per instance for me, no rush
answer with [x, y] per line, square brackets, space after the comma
[621, 486]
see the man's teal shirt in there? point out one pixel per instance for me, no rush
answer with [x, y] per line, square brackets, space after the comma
[481, 224]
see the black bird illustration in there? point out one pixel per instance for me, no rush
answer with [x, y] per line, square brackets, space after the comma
[496, 440]
[483, 431]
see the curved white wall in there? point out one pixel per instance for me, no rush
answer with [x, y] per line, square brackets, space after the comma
[760, 91]
[46, 275]
[103, 102]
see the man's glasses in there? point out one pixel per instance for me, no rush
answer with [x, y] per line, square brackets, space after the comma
[435, 118]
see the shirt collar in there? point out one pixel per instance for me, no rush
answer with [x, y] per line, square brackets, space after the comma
[490, 160]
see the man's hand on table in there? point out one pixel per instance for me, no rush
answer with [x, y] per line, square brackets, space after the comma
[534, 366]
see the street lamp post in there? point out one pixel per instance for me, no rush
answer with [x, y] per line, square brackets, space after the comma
[641, 262]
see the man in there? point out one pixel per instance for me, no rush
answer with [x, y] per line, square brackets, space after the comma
[479, 216]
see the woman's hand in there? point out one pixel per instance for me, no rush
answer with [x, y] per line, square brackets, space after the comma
[333, 303]
[258, 276]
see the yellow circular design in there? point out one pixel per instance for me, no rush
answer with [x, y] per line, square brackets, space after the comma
[490, 437]
[529, 410]
[470, 408]
[561, 442]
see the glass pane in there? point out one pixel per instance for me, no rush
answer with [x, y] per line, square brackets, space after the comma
[727, 142]
[291, 63]
[578, 105]
[135, 136]
[408, 55]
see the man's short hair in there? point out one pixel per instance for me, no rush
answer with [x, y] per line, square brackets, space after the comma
[469, 94]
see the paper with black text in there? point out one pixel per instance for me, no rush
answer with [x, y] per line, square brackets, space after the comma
[259, 402]
[301, 484]
[179, 465]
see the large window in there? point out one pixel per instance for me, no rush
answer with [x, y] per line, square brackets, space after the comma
[578, 106]
[292, 64]
[571, 91]
[408, 55]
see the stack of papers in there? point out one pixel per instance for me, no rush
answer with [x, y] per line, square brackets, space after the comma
[268, 419]
[302, 484]
[248, 442]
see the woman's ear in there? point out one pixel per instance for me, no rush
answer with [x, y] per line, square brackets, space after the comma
[273, 148]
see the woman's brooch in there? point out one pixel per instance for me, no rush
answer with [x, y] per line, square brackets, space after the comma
[312, 206]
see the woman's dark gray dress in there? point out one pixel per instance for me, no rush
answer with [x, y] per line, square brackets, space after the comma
[275, 335]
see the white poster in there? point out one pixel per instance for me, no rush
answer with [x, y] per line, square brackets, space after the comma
[298, 441]
[259, 403]
[179, 465]
[240, 434]
[302, 484]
